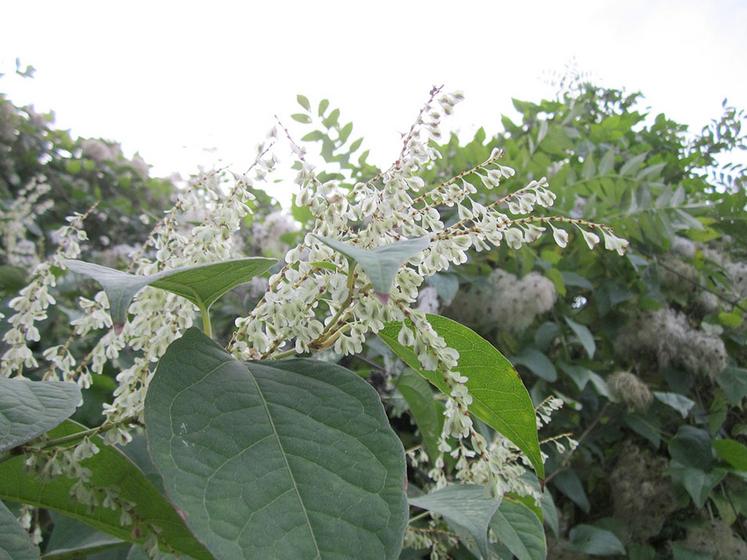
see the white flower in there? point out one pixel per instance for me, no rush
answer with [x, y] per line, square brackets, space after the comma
[560, 236]
[591, 238]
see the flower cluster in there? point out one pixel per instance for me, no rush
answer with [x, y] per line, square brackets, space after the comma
[15, 221]
[32, 302]
[667, 339]
[320, 300]
[504, 301]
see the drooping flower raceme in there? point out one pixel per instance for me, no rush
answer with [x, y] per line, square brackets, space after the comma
[312, 306]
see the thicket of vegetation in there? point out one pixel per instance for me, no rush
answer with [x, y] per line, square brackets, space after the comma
[635, 362]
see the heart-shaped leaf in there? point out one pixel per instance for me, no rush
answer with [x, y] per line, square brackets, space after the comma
[30, 408]
[109, 468]
[15, 543]
[283, 459]
[466, 506]
[382, 263]
[202, 284]
[499, 397]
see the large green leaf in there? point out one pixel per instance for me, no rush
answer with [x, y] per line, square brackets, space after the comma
[499, 397]
[30, 408]
[286, 459]
[382, 263]
[201, 284]
[109, 468]
[15, 543]
[427, 412]
[466, 506]
[518, 529]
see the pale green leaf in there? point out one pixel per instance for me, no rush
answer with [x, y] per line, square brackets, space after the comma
[382, 263]
[109, 468]
[678, 402]
[584, 336]
[303, 101]
[499, 397]
[201, 284]
[536, 362]
[518, 528]
[593, 540]
[282, 459]
[30, 408]
[466, 506]
[15, 543]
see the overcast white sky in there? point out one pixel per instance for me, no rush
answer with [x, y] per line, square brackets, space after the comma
[170, 79]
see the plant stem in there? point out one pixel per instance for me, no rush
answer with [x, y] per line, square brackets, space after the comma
[207, 326]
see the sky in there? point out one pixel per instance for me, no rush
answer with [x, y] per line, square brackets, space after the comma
[197, 83]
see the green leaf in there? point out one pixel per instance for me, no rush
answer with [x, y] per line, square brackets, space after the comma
[303, 101]
[15, 543]
[499, 397]
[733, 381]
[732, 452]
[323, 104]
[381, 264]
[593, 540]
[138, 553]
[584, 336]
[202, 284]
[518, 528]
[427, 412]
[109, 468]
[72, 539]
[633, 164]
[12, 278]
[678, 402]
[691, 447]
[301, 117]
[537, 362]
[550, 512]
[569, 483]
[679, 552]
[698, 483]
[467, 506]
[30, 408]
[282, 459]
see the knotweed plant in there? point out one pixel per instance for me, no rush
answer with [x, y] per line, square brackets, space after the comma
[267, 448]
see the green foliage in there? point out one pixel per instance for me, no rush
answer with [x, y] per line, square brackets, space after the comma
[30, 408]
[15, 543]
[202, 284]
[110, 468]
[284, 459]
[466, 508]
[519, 529]
[81, 172]
[500, 399]
[380, 264]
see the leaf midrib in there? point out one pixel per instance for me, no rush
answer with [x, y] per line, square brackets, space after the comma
[285, 460]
